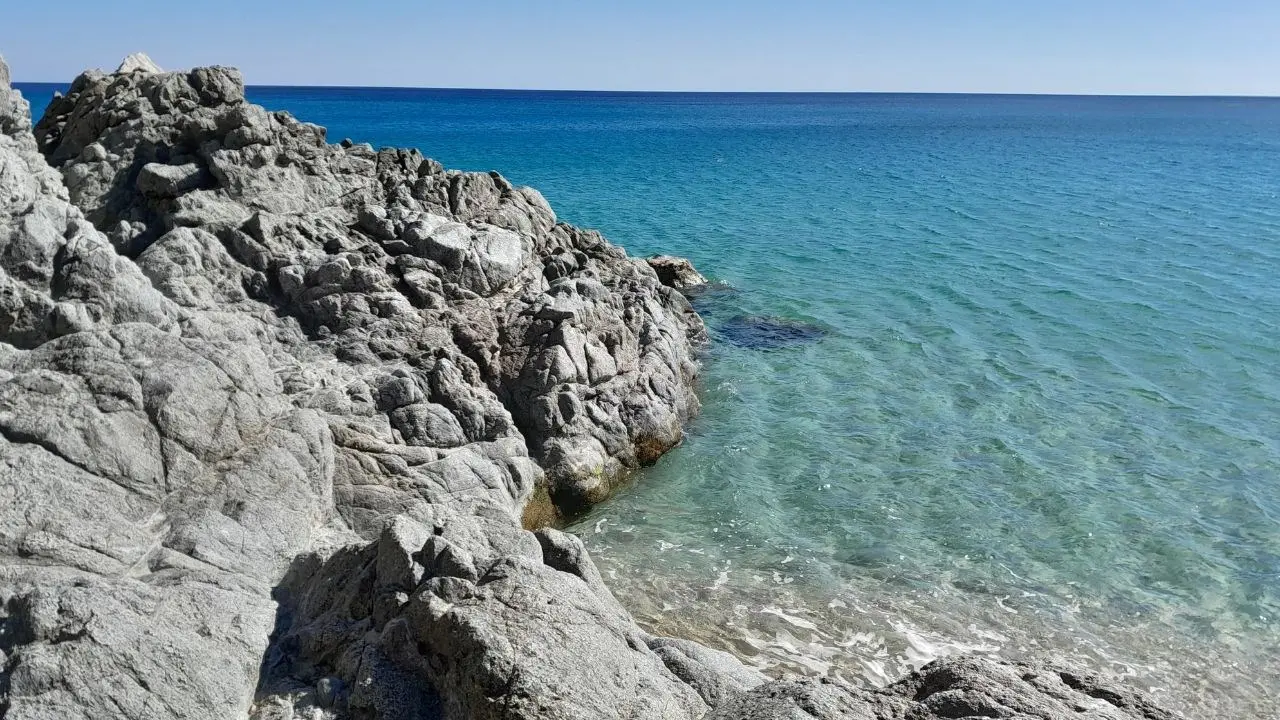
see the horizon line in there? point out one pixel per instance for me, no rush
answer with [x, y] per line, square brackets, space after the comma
[970, 93]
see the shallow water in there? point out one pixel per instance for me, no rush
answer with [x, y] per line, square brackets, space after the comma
[1039, 411]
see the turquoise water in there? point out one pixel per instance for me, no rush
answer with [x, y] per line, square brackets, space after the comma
[1043, 415]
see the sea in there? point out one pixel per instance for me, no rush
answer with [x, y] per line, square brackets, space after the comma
[986, 373]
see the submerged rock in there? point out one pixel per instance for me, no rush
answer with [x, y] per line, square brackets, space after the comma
[768, 333]
[715, 300]
[271, 412]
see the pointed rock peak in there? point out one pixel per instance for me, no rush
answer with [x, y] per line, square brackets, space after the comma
[138, 62]
[4, 74]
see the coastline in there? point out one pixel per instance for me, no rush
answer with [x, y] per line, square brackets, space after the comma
[227, 283]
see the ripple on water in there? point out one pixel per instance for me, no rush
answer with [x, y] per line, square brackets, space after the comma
[1037, 423]
[799, 616]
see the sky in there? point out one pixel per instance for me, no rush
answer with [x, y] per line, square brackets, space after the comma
[1225, 47]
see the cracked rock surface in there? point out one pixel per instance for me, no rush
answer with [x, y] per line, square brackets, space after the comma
[274, 415]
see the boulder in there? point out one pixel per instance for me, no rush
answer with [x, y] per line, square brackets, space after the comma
[676, 272]
[167, 181]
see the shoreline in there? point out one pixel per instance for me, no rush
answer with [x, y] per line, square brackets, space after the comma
[288, 402]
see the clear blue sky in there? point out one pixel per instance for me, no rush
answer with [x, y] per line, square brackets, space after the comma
[1086, 46]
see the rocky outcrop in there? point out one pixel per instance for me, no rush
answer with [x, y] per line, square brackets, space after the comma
[272, 412]
[459, 309]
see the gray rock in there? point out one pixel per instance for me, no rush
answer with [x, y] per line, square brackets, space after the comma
[970, 685]
[676, 272]
[483, 261]
[385, 257]
[485, 626]
[272, 412]
[138, 62]
[814, 699]
[963, 686]
[183, 429]
[428, 424]
[330, 691]
[717, 676]
[166, 181]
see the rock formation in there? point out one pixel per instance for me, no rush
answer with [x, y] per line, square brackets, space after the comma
[677, 272]
[461, 314]
[272, 412]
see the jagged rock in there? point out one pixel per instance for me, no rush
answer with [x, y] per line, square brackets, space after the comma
[138, 62]
[676, 272]
[58, 274]
[167, 181]
[954, 687]
[271, 412]
[138, 466]
[717, 676]
[383, 257]
[980, 686]
[244, 384]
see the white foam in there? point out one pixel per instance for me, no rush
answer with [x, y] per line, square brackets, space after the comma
[794, 620]
[721, 580]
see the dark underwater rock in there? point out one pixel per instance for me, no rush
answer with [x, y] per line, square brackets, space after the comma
[714, 298]
[767, 333]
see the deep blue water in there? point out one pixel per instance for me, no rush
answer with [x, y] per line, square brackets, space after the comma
[1040, 411]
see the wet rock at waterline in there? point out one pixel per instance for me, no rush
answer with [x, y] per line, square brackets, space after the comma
[676, 272]
[955, 687]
